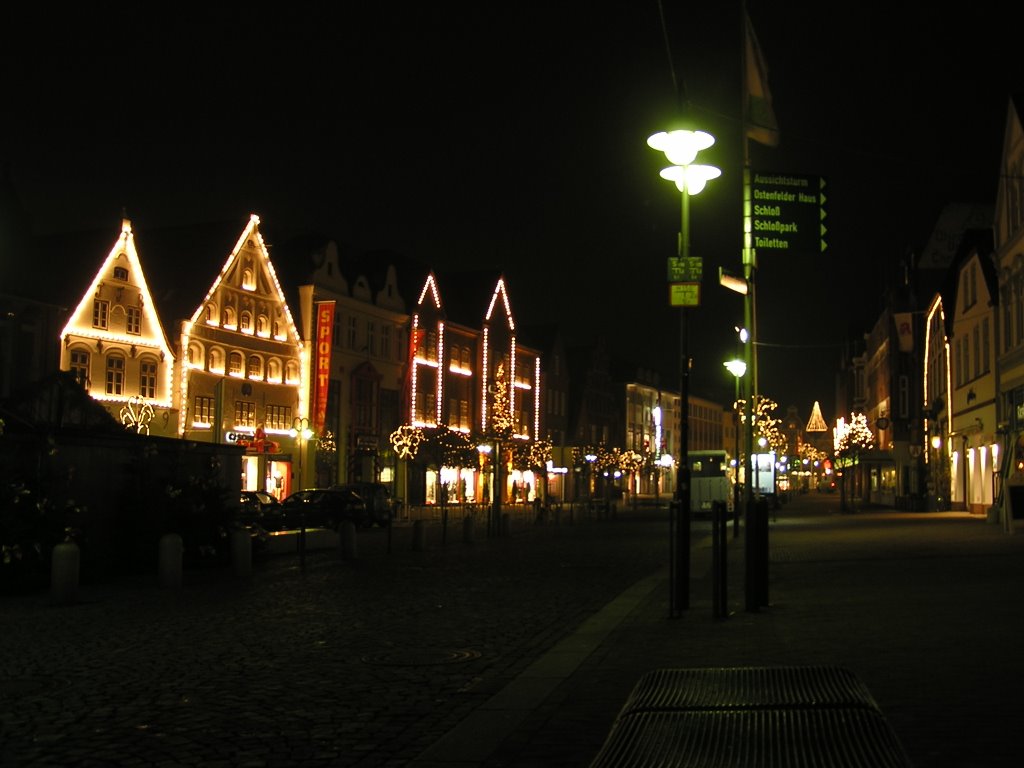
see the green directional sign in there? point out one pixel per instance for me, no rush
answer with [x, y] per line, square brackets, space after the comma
[788, 212]
[685, 269]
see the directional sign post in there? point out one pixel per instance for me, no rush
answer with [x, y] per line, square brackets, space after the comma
[788, 212]
[684, 276]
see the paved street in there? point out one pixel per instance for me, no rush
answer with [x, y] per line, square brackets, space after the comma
[346, 663]
[512, 651]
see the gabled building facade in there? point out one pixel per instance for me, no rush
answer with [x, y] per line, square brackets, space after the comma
[115, 346]
[973, 439]
[455, 371]
[243, 376]
[356, 315]
[1009, 247]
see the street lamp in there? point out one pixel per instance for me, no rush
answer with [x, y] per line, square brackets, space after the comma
[301, 432]
[737, 368]
[681, 148]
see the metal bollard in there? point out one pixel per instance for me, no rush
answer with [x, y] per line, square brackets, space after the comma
[241, 552]
[65, 565]
[347, 540]
[172, 550]
[419, 536]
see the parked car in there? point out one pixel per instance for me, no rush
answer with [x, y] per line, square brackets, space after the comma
[324, 508]
[383, 506]
[260, 508]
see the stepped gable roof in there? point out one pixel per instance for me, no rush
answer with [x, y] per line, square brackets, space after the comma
[410, 272]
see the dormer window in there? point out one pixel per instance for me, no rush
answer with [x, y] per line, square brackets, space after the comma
[121, 273]
[248, 279]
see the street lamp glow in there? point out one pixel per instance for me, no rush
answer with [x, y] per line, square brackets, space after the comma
[736, 367]
[680, 147]
[691, 179]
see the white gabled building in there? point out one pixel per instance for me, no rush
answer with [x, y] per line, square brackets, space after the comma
[243, 376]
[116, 347]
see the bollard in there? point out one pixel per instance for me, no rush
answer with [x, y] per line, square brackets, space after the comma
[64, 570]
[241, 552]
[468, 529]
[347, 540]
[419, 536]
[172, 549]
[506, 524]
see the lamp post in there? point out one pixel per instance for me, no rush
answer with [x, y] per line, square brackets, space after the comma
[301, 432]
[681, 148]
[737, 368]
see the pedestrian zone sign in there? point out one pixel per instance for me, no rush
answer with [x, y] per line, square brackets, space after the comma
[684, 294]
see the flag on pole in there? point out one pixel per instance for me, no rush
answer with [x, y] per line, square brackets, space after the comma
[904, 330]
[762, 126]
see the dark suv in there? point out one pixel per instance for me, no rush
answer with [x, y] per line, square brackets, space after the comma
[325, 508]
[382, 505]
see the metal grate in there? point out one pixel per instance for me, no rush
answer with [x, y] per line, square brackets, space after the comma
[753, 738]
[748, 688]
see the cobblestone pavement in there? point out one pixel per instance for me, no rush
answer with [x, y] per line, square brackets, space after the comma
[513, 651]
[362, 662]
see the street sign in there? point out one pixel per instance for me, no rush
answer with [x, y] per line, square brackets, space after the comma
[788, 212]
[689, 269]
[684, 294]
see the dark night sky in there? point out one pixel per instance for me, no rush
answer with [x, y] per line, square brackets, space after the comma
[514, 137]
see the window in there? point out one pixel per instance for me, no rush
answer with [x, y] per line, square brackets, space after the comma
[235, 364]
[363, 397]
[254, 370]
[350, 332]
[120, 273]
[245, 413]
[80, 366]
[274, 370]
[211, 314]
[385, 342]
[371, 337]
[203, 410]
[245, 323]
[336, 329]
[133, 321]
[100, 313]
[976, 344]
[217, 360]
[229, 317]
[291, 371]
[261, 325]
[985, 365]
[278, 417]
[147, 378]
[115, 375]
